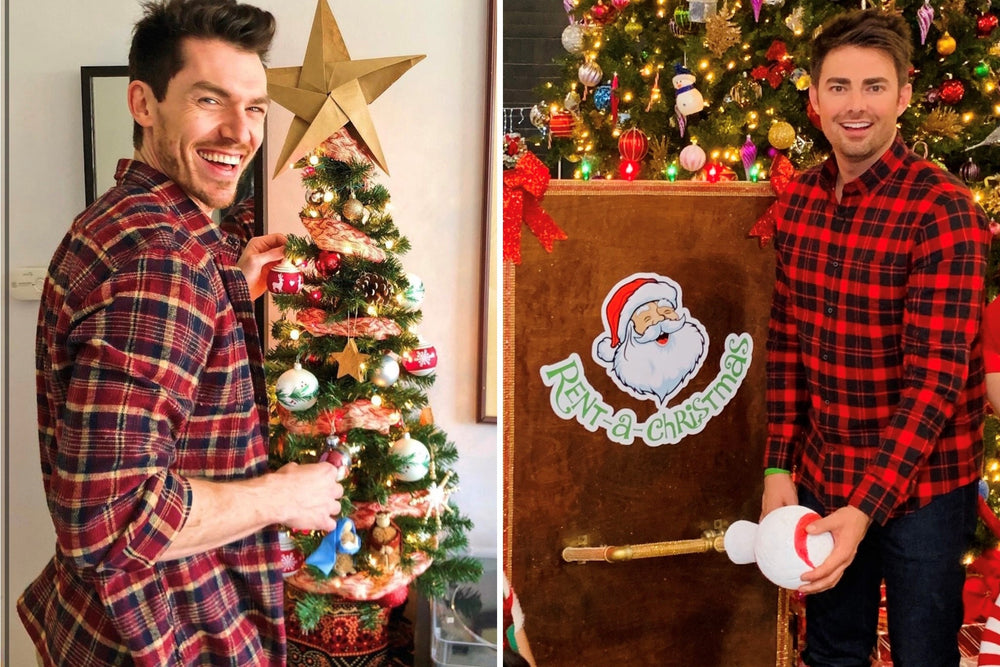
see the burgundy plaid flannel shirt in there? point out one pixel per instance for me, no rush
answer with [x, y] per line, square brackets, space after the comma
[149, 370]
[875, 390]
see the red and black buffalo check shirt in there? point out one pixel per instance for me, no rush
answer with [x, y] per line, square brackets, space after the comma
[149, 371]
[875, 389]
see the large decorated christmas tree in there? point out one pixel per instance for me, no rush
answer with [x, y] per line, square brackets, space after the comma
[711, 89]
[349, 372]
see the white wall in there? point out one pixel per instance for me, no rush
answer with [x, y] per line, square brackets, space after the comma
[430, 127]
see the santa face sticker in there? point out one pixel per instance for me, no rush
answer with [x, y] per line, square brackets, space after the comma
[652, 348]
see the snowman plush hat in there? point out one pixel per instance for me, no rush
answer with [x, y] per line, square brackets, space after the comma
[780, 545]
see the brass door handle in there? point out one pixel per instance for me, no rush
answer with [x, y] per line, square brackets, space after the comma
[711, 539]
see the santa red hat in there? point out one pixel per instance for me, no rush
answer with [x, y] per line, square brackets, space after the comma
[622, 304]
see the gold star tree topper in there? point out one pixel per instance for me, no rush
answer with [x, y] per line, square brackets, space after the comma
[330, 91]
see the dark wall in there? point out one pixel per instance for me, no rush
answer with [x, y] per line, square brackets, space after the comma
[532, 38]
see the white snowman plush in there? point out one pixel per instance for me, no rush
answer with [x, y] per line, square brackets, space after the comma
[780, 545]
[689, 99]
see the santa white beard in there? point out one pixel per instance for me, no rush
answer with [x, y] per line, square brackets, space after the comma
[659, 368]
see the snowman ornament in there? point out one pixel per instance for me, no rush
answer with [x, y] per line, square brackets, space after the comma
[689, 99]
[780, 545]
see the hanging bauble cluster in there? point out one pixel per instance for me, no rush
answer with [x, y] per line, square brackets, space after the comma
[375, 288]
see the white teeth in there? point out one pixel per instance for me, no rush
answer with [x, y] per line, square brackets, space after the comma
[856, 126]
[220, 157]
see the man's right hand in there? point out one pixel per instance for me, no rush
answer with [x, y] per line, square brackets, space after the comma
[779, 491]
[310, 495]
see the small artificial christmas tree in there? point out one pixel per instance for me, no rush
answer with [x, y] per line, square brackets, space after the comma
[348, 374]
[349, 377]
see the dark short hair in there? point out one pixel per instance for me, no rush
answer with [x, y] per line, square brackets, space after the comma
[156, 54]
[869, 28]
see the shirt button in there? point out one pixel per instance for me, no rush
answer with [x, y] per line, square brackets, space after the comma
[836, 264]
[824, 357]
[826, 401]
[829, 310]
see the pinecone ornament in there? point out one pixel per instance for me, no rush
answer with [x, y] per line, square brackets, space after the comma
[375, 288]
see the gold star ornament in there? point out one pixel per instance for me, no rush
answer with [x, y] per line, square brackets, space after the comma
[330, 91]
[349, 361]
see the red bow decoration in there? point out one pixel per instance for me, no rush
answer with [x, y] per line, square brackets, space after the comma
[782, 171]
[777, 72]
[523, 189]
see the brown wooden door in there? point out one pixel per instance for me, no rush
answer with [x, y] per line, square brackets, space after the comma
[567, 484]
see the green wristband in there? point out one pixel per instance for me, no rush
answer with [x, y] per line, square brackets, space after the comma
[775, 471]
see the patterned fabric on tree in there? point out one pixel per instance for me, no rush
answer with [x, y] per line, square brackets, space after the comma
[342, 237]
[341, 640]
[356, 414]
[145, 379]
[839, 366]
[314, 321]
[362, 586]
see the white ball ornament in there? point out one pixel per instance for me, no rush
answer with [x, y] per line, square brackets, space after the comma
[590, 74]
[780, 545]
[692, 157]
[572, 38]
[297, 389]
[417, 459]
[413, 295]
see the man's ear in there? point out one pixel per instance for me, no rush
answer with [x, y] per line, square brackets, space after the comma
[141, 103]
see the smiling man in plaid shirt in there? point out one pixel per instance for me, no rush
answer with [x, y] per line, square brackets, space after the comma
[875, 373]
[151, 394]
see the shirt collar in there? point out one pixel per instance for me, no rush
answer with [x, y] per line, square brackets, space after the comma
[890, 161]
[189, 215]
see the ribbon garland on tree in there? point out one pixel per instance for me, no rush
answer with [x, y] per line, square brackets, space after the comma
[782, 171]
[525, 180]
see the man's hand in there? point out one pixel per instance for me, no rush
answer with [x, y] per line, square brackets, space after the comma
[848, 526]
[310, 495]
[779, 491]
[261, 253]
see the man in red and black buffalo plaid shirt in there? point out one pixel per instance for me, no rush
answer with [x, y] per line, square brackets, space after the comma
[151, 394]
[875, 374]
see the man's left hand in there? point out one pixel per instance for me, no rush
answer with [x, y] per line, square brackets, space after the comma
[261, 253]
[848, 526]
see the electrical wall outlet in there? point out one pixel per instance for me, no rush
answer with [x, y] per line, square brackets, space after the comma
[26, 283]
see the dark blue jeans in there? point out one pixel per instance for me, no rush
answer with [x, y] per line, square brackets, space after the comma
[919, 555]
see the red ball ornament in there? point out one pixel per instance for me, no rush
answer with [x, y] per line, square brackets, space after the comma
[601, 13]
[315, 295]
[328, 263]
[421, 360]
[952, 91]
[628, 169]
[985, 25]
[632, 144]
[620, 4]
[561, 124]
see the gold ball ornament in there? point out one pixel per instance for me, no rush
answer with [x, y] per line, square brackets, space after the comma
[781, 135]
[946, 45]
[353, 209]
